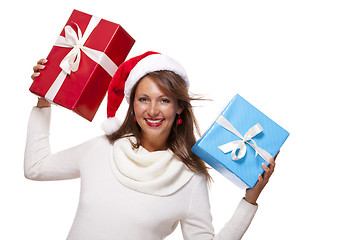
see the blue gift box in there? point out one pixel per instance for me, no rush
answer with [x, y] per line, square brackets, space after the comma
[240, 127]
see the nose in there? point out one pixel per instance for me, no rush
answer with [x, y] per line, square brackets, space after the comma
[153, 110]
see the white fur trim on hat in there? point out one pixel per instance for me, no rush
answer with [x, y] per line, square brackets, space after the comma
[111, 125]
[151, 63]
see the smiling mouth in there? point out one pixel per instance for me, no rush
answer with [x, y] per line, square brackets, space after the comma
[154, 122]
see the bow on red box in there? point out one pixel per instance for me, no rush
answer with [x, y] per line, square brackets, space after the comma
[82, 62]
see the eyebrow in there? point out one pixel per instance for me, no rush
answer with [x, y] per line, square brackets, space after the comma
[145, 95]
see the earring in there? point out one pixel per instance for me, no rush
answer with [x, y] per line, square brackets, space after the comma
[135, 118]
[179, 120]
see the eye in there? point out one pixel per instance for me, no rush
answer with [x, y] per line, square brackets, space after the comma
[165, 100]
[142, 99]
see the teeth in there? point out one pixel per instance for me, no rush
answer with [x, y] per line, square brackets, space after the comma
[154, 121]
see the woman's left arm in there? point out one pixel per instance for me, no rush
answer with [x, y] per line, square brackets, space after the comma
[198, 222]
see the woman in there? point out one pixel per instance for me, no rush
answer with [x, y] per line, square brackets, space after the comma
[141, 179]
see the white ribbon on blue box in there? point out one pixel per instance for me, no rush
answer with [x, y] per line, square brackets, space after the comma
[239, 141]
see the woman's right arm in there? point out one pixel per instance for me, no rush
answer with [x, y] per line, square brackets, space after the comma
[39, 163]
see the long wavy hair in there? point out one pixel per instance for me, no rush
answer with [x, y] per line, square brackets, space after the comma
[182, 136]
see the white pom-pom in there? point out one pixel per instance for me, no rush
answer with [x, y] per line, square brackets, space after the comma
[111, 125]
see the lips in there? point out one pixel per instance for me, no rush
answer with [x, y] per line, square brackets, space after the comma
[154, 122]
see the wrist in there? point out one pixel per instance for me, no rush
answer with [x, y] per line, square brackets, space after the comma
[251, 201]
[251, 198]
[42, 102]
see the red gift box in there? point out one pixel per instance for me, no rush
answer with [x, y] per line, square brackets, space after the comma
[82, 62]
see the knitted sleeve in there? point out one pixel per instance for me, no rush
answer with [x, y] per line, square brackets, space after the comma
[198, 223]
[39, 163]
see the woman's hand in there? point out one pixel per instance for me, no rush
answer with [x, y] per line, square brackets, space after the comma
[40, 65]
[252, 194]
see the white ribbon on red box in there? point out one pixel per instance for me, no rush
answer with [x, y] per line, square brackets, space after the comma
[240, 144]
[71, 61]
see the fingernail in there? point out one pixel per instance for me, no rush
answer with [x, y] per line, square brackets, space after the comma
[45, 61]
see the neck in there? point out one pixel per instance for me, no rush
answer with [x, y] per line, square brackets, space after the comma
[152, 145]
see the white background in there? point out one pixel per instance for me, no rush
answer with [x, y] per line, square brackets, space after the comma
[297, 61]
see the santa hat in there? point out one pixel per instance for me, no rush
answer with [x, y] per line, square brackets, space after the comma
[128, 74]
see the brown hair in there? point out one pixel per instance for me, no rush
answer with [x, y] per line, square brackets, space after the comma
[181, 137]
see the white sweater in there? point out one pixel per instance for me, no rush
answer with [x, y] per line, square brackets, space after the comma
[112, 205]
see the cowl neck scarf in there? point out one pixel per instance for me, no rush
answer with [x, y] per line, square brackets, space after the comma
[158, 173]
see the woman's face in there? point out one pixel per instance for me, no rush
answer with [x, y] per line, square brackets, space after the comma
[155, 113]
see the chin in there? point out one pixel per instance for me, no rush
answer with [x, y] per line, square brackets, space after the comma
[156, 133]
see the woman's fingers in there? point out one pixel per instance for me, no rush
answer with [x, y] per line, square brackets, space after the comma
[42, 61]
[35, 75]
[276, 155]
[265, 168]
[40, 65]
[268, 170]
[252, 194]
[272, 164]
[37, 67]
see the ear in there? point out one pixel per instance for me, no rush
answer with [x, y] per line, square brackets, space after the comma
[180, 110]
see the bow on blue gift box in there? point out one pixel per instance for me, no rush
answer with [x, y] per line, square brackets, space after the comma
[241, 144]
